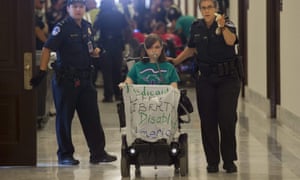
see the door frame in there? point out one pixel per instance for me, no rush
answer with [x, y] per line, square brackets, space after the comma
[243, 38]
[273, 54]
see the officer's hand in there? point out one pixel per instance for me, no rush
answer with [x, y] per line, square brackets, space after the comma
[220, 20]
[36, 80]
[122, 85]
[170, 60]
[96, 53]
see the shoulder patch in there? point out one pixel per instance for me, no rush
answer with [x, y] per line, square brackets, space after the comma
[56, 30]
[230, 24]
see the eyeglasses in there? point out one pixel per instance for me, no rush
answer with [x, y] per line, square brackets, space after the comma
[203, 8]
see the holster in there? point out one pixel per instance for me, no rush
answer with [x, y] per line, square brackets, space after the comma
[72, 74]
[218, 69]
[223, 69]
[240, 67]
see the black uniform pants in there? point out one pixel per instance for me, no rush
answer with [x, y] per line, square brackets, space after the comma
[83, 99]
[217, 99]
[112, 71]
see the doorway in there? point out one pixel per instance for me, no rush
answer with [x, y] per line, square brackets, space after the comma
[17, 99]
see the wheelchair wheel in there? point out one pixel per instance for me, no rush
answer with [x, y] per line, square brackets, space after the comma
[183, 160]
[125, 165]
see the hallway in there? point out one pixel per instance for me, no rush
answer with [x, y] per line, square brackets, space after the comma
[267, 151]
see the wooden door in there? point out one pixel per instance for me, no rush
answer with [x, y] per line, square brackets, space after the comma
[17, 100]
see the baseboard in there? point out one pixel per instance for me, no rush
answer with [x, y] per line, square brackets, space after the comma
[284, 116]
[260, 102]
[288, 119]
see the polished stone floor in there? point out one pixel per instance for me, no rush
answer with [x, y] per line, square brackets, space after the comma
[267, 151]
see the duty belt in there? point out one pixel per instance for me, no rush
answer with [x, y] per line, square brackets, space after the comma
[73, 73]
[219, 69]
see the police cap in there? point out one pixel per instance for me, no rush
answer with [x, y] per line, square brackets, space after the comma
[76, 1]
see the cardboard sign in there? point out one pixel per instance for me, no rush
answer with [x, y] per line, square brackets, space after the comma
[151, 111]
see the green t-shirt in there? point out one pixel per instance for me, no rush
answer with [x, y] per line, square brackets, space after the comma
[184, 23]
[148, 73]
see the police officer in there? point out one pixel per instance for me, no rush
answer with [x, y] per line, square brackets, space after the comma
[112, 25]
[72, 85]
[213, 40]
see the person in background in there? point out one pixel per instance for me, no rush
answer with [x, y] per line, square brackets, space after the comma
[112, 26]
[126, 7]
[41, 32]
[158, 12]
[172, 41]
[90, 15]
[72, 85]
[56, 13]
[41, 29]
[167, 4]
[180, 24]
[91, 11]
[217, 85]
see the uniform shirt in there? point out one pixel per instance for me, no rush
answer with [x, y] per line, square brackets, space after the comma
[211, 47]
[148, 73]
[72, 43]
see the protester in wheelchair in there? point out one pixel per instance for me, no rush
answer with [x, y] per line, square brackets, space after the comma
[151, 121]
[153, 67]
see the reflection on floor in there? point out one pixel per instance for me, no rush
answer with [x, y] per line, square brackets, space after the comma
[267, 151]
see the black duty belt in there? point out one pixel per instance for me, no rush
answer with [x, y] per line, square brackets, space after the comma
[219, 69]
[72, 73]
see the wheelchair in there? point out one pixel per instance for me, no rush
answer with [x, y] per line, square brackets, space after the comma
[161, 152]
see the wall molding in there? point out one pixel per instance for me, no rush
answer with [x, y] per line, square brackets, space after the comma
[288, 119]
[284, 116]
[258, 100]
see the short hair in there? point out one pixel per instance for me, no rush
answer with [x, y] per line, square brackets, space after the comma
[215, 2]
[173, 13]
[148, 43]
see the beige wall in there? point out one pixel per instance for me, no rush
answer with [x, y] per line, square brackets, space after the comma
[233, 12]
[257, 75]
[290, 56]
[191, 7]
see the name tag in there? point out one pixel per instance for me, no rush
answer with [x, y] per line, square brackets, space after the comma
[90, 47]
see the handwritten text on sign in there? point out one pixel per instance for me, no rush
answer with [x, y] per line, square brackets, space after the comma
[151, 111]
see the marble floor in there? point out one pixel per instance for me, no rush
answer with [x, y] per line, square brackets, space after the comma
[267, 151]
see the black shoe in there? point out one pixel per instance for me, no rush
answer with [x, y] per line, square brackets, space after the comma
[230, 167]
[107, 100]
[68, 161]
[212, 168]
[105, 159]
